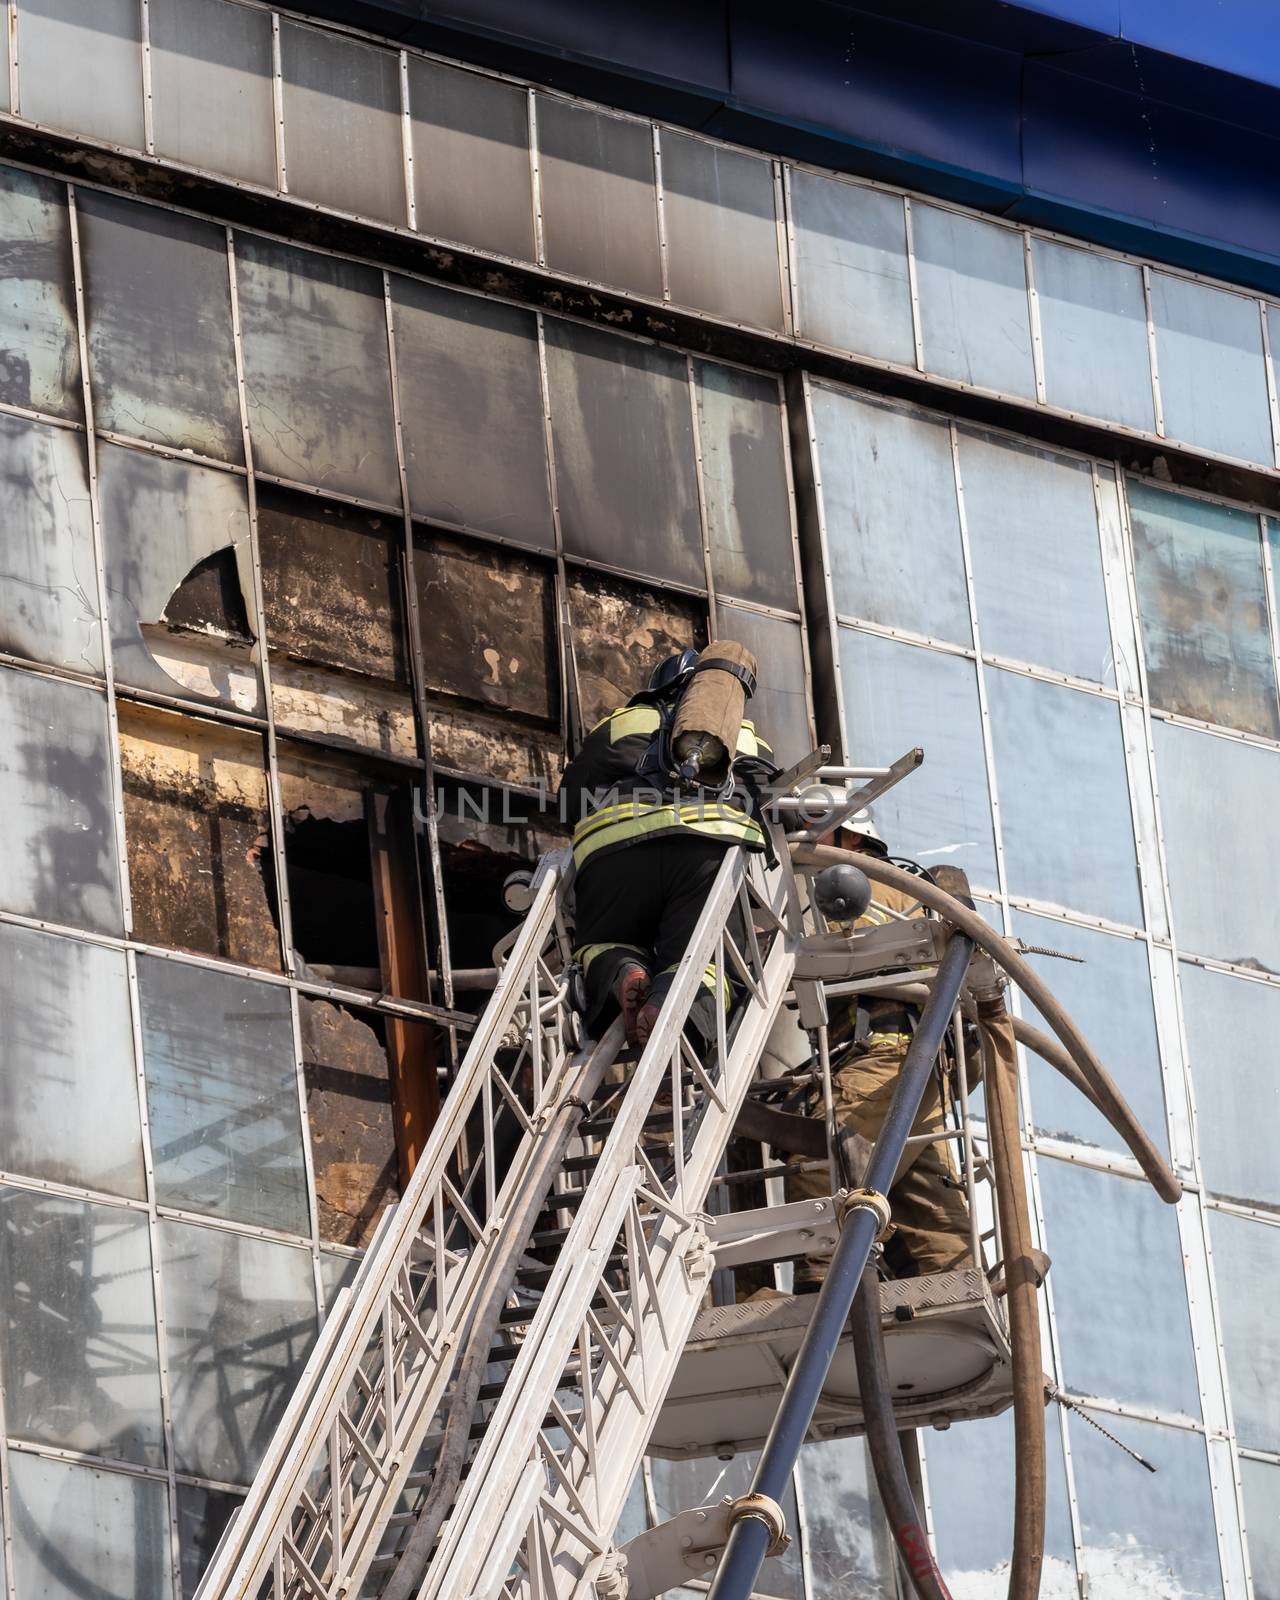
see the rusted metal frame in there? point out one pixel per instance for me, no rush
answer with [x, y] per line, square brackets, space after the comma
[700, 478]
[418, 679]
[261, 651]
[100, 571]
[572, 727]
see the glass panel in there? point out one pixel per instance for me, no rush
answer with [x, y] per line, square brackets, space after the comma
[343, 141]
[164, 523]
[1262, 1517]
[846, 1541]
[48, 593]
[1224, 887]
[317, 370]
[1118, 1289]
[1204, 609]
[471, 398]
[624, 453]
[780, 706]
[679, 1485]
[211, 87]
[159, 313]
[59, 860]
[722, 231]
[973, 300]
[240, 1317]
[744, 482]
[1145, 1533]
[1110, 998]
[39, 346]
[222, 1093]
[1093, 330]
[202, 1515]
[897, 696]
[489, 625]
[851, 265]
[336, 1272]
[79, 1532]
[81, 67]
[81, 1365]
[971, 1489]
[1213, 385]
[1037, 565]
[892, 523]
[68, 1093]
[1246, 1258]
[1232, 1027]
[599, 199]
[472, 178]
[1064, 797]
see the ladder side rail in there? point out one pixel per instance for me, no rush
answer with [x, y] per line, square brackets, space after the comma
[631, 1213]
[280, 1487]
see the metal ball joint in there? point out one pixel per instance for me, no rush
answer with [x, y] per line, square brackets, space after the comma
[842, 893]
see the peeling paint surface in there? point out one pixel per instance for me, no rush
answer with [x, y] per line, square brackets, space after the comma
[39, 350]
[620, 633]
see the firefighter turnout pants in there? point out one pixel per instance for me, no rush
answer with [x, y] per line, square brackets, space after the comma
[642, 904]
[930, 1217]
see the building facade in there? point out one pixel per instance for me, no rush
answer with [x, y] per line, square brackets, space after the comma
[371, 421]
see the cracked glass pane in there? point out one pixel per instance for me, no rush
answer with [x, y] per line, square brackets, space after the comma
[847, 1545]
[59, 862]
[1246, 1258]
[49, 585]
[1093, 323]
[1237, 1087]
[721, 229]
[179, 578]
[222, 1095]
[1203, 606]
[317, 370]
[472, 176]
[599, 196]
[158, 303]
[79, 1531]
[851, 266]
[68, 1094]
[890, 514]
[471, 397]
[623, 428]
[81, 1365]
[342, 126]
[211, 87]
[39, 346]
[1119, 1292]
[240, 1319]
[81, 67]
[678, 1485]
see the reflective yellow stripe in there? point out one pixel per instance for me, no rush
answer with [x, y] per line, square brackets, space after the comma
[630, 720]
[734, 829]
[587, 954]
[748, 744]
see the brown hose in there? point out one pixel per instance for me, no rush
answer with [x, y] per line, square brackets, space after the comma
[1105, 1095]
[1000, 1078]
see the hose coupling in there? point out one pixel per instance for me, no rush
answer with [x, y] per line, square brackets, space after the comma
[866, 1200]
[760, 1508]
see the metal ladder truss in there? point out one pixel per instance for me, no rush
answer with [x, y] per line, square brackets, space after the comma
[584, 1356]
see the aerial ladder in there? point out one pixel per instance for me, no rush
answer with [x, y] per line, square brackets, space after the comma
[533, 1315]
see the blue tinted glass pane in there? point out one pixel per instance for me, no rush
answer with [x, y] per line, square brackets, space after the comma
[847, 1543]
[1213, 384]
[1262, 1517]
[891, 516]
[1246, 1266]
[81, 1365]
[1232, 1027]
[973, 300]
[1145, 1534]
[1109, 996]
[1037, 565]
[897, 696]
[1064, 798]
[1093, 324]
[1203, 606]
[971, 1490]
[1118, 1289]
[851, 263]
[222, 1090]
[1224, 886]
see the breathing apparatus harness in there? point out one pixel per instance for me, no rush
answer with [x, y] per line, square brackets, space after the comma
[668, 686]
